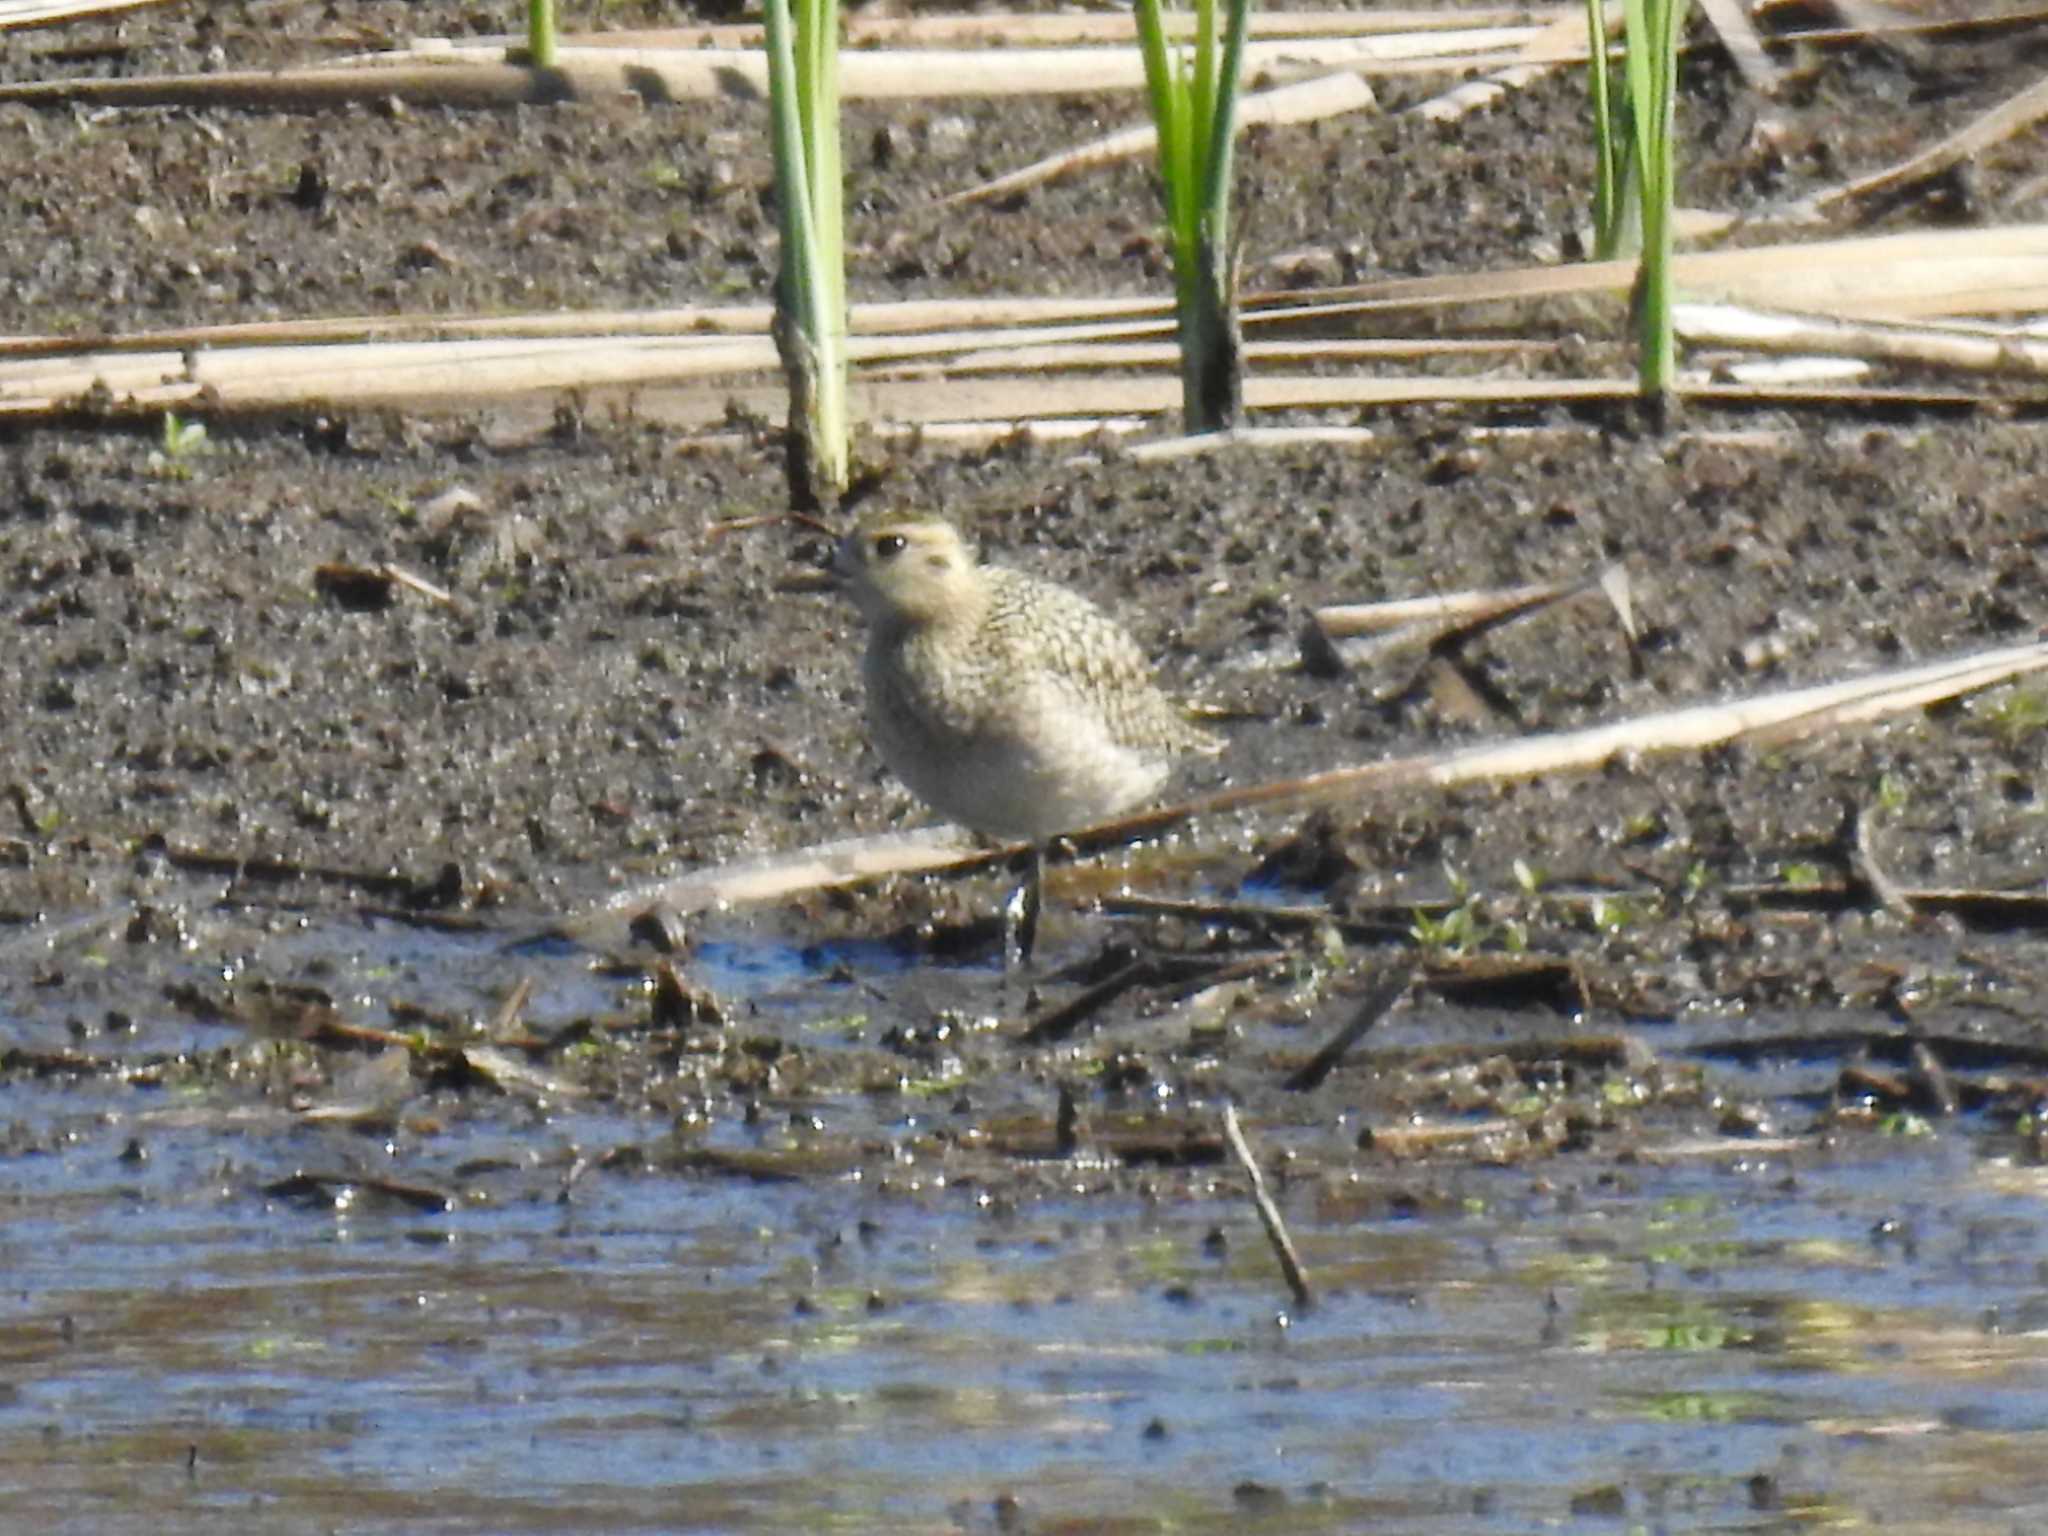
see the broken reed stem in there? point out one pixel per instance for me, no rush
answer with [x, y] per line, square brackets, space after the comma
[1269, 1213]
[509, 1011]
[1387, 991]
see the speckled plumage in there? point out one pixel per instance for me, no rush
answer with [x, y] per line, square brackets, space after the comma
[1009, 704]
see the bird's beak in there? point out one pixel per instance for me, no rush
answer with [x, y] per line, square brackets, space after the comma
[828, 575]
[839, 563]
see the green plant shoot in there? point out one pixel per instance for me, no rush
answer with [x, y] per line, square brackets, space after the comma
[541, 37]
[810, 290]
[1613, 184]
[1193, 93]
[1636, 178]
[182, 439]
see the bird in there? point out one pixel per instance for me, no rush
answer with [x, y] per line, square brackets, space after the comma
[1009, 704]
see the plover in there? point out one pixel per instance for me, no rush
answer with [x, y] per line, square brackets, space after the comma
[1009, 704]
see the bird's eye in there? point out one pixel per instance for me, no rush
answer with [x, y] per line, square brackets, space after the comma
[890, 545]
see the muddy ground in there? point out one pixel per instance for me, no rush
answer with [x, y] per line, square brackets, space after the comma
[197, 719]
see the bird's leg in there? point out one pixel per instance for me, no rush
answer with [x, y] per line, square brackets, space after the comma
[1020, 912]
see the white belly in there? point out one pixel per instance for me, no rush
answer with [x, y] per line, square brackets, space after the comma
[1038, 767]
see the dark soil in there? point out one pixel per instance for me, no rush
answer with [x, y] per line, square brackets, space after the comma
[618, 690]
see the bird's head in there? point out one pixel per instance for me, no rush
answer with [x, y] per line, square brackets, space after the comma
[908, 569]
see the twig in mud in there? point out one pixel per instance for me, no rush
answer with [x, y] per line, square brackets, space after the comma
[509, 1011]
[1858, 21]
[1932, 1079]
[50, 13]
[1229, 914]
[312, 1190]
[444, 890]
[1863, 863]
[1166, 971]
[1731, 23]
[66, 1063]
[1063, 1020]
[1389, 990]
[339, 1035]
[1214, 970]
[2011, 351]
[1512, 981]
[1719, 1147]
[676, 1004]
[770, 520]
[404, 917]
[1620, 591]
[1979, 909]
[368, 588]
[1347, 636]
[572, 1175]
[499, 1069]
[1269, 1213]
[1411, 1140]
[1927, 1085]
[1334, 92]
[660, 928]
[2006, 120]
[1564, 40]
[400, 576]
[1444, 611]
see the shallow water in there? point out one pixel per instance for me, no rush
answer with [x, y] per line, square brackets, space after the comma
[1712, 1335]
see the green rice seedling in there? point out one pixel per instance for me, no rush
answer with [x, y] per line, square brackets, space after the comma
[1193, 93]
[541, 37]
[181, 443]
[810, 290]
[1636, 178]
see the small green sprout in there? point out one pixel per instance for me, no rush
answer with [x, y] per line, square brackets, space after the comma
[398, 506]
[1459, 882]
[1453, 933]
[1643, 827]
[182, 441]
[2019, 715]
[1892, 794]
[1612, 915]
[1458, 930]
